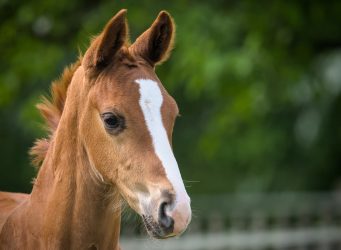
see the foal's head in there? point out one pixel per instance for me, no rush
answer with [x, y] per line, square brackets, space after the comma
[127, 122]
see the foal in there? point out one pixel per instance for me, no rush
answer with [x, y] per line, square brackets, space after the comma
[111, 123]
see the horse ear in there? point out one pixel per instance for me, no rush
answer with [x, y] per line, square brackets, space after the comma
[106, 45]
[155, 44]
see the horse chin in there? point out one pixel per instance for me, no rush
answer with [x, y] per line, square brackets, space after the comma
[154, 229]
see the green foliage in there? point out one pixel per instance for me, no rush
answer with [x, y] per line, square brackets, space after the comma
[258, 86]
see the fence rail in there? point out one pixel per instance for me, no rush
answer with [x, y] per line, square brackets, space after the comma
[302, 221]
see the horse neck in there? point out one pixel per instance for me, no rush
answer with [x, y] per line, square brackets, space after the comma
[78, 209]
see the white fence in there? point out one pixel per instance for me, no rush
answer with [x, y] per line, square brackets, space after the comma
[286, 221]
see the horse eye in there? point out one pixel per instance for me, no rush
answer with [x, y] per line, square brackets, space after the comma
[113, 123]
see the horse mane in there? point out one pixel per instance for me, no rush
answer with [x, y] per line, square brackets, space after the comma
[51, 109]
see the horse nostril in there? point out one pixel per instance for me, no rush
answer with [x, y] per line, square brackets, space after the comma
[165, 221]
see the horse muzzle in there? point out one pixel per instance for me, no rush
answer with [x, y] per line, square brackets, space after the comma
[167, 216]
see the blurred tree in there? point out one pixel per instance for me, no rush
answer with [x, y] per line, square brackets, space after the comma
[258, 85]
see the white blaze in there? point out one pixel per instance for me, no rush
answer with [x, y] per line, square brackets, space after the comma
[151, 101]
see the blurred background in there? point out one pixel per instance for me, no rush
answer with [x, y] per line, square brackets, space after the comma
[258, 84]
